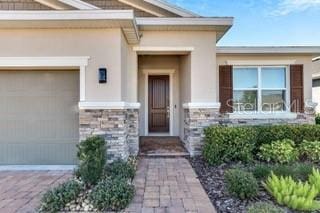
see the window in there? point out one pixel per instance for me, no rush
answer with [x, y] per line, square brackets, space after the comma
[260, 89]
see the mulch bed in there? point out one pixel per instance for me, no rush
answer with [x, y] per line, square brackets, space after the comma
[212, 180]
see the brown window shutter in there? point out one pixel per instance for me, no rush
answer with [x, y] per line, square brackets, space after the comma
[225, 88]
[296, 88]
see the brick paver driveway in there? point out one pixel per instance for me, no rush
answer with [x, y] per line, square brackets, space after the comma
[21, 191]
[168, 185]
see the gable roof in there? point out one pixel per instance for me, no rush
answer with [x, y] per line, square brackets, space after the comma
[172, 8]
[160, 8]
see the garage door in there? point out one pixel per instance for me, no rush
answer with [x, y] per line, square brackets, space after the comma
[39, 122]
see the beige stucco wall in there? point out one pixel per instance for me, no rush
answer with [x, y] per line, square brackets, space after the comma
[102, 45]
[316, 97]
[316, 66]
[316, 90]
[202, 62]
[129, 67]
[160, 63]
[306, 60]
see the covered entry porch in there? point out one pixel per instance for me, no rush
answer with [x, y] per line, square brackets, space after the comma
[167, 85]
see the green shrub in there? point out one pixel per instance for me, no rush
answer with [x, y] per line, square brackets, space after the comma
[225, 144]
[112, 194]
[261, 171]
[310, 150]
[120, 169]
[92, 156]
[55, 199]
[282, 151]
[296, 195]
[298, 171]
[241, 184]
[296, 133]
[318, 119]
[264, 207]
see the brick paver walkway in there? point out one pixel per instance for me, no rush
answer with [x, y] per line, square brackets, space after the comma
[168, 185]
[21, 191]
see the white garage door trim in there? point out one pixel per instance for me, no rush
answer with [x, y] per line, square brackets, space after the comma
[70, 61]
[80, 62]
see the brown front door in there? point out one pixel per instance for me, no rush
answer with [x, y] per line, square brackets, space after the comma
[159, 104]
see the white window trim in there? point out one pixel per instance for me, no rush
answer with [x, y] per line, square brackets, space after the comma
[259, 113]
[80, 62]
[260, 62]
[147, 73]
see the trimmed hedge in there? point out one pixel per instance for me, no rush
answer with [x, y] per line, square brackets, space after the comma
[226, 144]
[297, 133]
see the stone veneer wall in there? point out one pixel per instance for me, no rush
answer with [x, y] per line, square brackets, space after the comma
[119, 128]
[196, 120]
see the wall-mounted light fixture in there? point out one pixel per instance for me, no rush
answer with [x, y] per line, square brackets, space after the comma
[102, 75]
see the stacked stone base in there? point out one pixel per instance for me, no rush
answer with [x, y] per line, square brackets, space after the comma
[196, 120]
[119, 128]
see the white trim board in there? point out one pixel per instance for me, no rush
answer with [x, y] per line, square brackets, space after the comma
[260, 62]
[80, 62]
[196, 105]
[135, 5]
[108, 105]
[280, 115]
[54, 4]
[147, 73]
[37, 167]
[81, 5]
[268, 50]
[162, 49]
[172, 8]
[65, 15]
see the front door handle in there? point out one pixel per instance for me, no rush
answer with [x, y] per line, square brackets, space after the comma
[168, 111]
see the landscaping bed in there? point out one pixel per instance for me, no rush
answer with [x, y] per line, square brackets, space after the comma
[261, 169]
[95, 186]
[213, 181]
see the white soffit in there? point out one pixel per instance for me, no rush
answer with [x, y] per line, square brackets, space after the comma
[73, 19]
[270, 50]
[172, 8]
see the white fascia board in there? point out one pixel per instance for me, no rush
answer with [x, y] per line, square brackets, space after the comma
[215, 21]
[79, 4]
[269, 50]
[54, 4]
[66, 15]
[132, 4]
[172, 8]
[316, 59]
